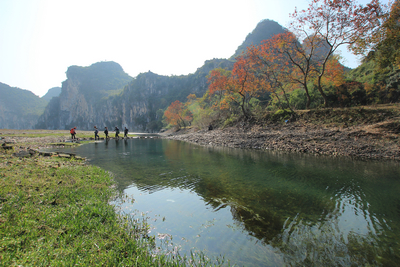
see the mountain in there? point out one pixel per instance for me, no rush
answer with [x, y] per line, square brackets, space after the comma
[52, 92]
[85, 100]
[264, 30]
[19, 109]
[82, 96]
[104, 95]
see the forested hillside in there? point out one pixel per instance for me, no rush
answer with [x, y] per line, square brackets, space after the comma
[19, 109]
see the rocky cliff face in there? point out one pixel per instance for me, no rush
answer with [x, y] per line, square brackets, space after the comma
[144, 100]
[139, 106]
[84, 91]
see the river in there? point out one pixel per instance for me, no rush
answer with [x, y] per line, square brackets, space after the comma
[258, 208]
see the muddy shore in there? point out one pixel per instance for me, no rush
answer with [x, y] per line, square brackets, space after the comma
[369, 141]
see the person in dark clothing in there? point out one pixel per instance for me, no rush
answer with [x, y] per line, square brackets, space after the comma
[116, 132]
[106, 132]
[126, 132]
[96, 133]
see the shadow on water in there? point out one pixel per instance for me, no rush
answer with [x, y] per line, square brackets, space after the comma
[285, 209]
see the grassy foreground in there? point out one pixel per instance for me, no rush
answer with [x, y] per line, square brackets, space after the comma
[56, 212]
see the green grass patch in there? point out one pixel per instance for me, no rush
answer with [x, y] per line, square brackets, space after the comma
[32, 135]
[56, 212]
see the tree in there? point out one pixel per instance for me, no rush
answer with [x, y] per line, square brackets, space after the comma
[334, 23]
[238, 86]
[283, 63]
[177, 115]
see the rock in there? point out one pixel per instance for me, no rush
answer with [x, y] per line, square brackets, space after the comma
[47, 154]
[22, 154]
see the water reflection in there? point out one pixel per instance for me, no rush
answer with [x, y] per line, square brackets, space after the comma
[288, 209]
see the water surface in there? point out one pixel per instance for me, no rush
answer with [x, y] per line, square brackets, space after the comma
[259, 208]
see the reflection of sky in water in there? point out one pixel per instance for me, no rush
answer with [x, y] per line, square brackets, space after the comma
[194, 226]
[352, 219]
[259, 208]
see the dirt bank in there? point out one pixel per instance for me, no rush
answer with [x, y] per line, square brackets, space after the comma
[377, 140]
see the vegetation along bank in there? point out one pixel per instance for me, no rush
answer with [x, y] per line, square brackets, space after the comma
[55, 211]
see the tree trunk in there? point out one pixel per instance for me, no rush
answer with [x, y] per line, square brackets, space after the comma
[322, 92]
[308, 96]
[243, 106]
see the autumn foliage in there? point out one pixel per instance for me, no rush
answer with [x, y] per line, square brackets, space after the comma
[238, 86]
[334, 23]
[177, 115]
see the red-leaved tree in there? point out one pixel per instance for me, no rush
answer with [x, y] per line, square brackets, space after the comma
[238, 86]
[177, 115]
[334, 23]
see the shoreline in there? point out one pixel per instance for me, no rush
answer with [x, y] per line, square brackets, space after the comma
[361, 141]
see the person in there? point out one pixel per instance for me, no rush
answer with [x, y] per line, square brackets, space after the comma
[126, 132]
[73, 133]
[116, 132]
[106, 132]
[96, 133]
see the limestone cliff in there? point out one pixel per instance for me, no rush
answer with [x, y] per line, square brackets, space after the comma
[81, 96]
[144, 100]
[139, 106]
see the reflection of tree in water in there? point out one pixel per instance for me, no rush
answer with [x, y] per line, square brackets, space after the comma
[291, 202]
[324, 245]
[303, 222]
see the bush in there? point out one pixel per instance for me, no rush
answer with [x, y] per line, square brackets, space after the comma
[282, 115]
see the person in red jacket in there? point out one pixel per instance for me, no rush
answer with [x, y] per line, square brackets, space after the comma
[73, 133]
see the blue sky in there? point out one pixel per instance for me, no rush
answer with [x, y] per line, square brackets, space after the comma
[40, 39]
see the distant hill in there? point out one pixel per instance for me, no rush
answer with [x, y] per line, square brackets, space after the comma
[52, 92]
[82, 96]
[264, 30]
[19, 109]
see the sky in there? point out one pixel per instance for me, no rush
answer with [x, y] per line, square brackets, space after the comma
[40, 39]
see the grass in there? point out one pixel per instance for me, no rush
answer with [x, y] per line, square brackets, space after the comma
[56, 212]
[44, 133]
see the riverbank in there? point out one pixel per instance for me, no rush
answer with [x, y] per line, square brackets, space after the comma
[55, 211]
[372, 133]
